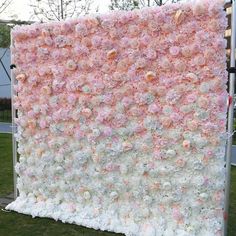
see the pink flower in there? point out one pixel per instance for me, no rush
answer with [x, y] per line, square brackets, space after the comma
[166, 122]
[199, 60]
[57, 85]
[31, 114]
[177, 214]
[157, 154]
[191, 77]
[145, 39]
[81, 50]
[192, 125]
[44, 108]
[174, 51]
[21, 121]
[186, 51]
[119, 120]
[110, 167]
[127, 146]
[75, 84]
[104, 114]
[134, 43]
[151, 54]
[133, 30]
[21, 77]
[199, 8]
[186, 144]
[150, 76]
[176, 117]
[165, 63]
[72, 98]
[96, 41]
[33, 80]
[191, 98]
[140, 63]
[81, 30]
[172, 96]
[46, 90]
[180, 162]
[71, 65]
[203, 102]
[107, 131]
[86, 112]
[153, 108]
[139, 128]
[153, 26]
[180, 65]
[30, 57]
[220, 44]
[79, 134]
[43, 124]
[127, 101]
[112, 54]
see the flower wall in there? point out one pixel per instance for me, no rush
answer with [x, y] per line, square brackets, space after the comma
[121, 120]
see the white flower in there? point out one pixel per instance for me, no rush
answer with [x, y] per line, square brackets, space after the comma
[114, 195]
[59, 158]
[150, 123]
[123, 169]
[204, 196]
[170, 153]
[167, 186]
[204, 87]
[167, 110]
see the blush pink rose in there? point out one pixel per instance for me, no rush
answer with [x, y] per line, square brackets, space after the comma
[177, 215]
[72, 99]
[180, 162]
[43, 124]
[107, 131]
[186, 144]
[191, 98]
[153, 108]
[127, 101]
[174, 51]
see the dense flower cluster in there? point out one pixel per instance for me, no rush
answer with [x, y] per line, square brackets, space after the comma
[122, 119]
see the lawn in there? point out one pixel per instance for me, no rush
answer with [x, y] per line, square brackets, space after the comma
[12, 224]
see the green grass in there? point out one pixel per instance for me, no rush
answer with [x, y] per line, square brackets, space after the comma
[14, 224]
[232, 205]
[6, 176]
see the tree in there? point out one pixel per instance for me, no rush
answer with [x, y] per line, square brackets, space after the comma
[60, 9]
[5, 38]
[4, 4]
[136, 4]
[124, 5]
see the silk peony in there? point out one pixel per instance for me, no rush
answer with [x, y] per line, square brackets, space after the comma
[174, 51]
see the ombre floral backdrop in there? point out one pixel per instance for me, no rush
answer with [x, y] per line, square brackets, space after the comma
[121, 120]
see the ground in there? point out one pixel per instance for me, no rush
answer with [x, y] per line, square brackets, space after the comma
[14, 224]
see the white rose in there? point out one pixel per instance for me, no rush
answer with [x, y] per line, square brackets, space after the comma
[113, 195]
[204, 196]
[167, 186]
[170, 153]
[204, 87]
[87, 195]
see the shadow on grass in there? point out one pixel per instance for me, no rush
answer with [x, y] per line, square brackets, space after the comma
[13, 224]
